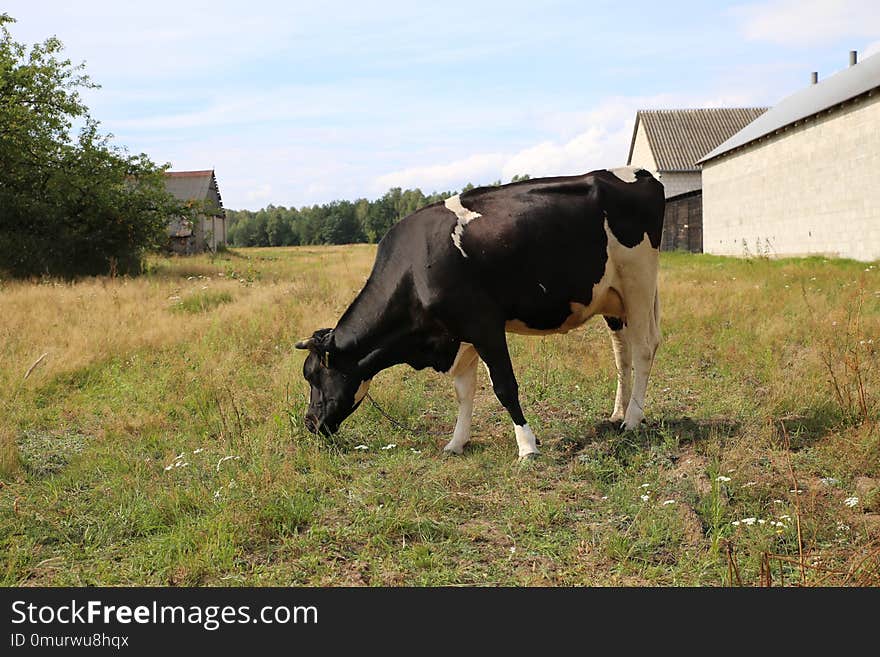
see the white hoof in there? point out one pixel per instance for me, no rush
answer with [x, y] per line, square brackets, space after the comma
[453, 450]
[531, 456]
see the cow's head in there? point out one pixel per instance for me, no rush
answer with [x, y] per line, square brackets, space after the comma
[336, 388]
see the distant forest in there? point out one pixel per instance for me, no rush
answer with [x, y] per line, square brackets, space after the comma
[339, 222]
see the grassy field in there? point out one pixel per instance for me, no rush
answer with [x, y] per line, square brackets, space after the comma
[151, 434]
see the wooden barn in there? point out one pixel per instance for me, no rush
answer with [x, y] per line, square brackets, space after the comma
[803, 178]
[670, 142]
[208, 230]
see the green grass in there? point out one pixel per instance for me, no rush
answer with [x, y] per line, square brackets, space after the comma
[160, 441]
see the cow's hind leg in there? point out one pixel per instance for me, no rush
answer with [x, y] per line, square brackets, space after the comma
[643, 331]
[464, 371]
[623, 361]
[494, 353]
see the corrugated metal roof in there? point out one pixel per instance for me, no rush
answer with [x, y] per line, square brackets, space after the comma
[845, 85]
[191, 185]
[680, 137]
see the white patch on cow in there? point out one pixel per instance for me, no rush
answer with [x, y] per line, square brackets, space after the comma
[362, 391]
[525, 440]
[636, 276]
[626, 174]
[465, 216]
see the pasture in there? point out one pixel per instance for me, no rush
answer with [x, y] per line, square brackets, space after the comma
[159, 440]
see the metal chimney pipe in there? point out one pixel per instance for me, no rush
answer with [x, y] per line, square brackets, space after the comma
[814, 77]
[853, 57]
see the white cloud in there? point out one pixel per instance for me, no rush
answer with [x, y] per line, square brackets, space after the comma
[594, 139]
[478, 168]
[260, 193]
[808, 22]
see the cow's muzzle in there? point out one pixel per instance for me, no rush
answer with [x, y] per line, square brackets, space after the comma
[316, 426]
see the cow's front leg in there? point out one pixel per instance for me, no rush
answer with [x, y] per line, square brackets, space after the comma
[497, 358]
[464, 371]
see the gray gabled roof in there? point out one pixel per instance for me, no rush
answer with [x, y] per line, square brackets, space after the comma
[680, 137]
[845, 85]
[193, 186]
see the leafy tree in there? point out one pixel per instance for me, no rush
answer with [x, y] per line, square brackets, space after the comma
[381, 216]
[68, 206]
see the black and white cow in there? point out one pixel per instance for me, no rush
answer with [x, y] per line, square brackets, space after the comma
[535, 257]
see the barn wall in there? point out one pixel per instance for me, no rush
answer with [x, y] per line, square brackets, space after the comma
[809, 190]
[675, 183]
[642, 156]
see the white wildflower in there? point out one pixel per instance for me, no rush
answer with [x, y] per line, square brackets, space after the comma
[830, 481]
[735, 523]
[749, 521]
[169, 467]
[361, 447]
[390, 446]
[199, 450]
[668, 502]
[415, 451]
[722, 478]
[851, 501]
[224, 459]
[645, 486]
[645, 498]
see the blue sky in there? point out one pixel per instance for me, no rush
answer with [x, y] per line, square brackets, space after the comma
[295, 103]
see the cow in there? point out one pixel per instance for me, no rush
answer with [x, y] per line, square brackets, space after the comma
[533, 257]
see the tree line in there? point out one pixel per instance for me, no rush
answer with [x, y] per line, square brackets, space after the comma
[338, 222]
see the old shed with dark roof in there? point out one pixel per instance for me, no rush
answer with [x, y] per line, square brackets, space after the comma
[206, 229]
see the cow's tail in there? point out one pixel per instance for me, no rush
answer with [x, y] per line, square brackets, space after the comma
[657, 316]
[657, 306]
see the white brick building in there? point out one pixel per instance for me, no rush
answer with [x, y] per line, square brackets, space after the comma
[804, 178]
